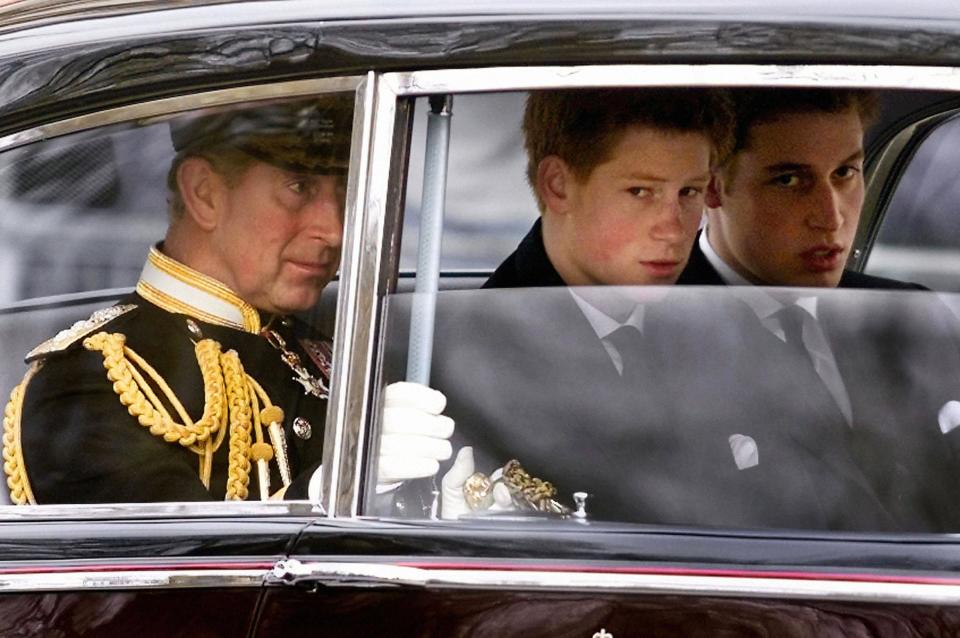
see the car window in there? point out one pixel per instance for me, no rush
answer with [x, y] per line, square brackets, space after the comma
[170, 282]
[488, 204]
[704, 415]
[920, 234]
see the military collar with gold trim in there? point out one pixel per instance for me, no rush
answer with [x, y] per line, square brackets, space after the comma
[177, 288]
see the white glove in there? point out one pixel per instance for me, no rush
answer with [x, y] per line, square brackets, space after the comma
[415, 433]
[453, 504]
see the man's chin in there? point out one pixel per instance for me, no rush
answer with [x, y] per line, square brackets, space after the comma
[829, 279]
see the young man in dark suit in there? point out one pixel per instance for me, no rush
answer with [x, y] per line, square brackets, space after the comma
[783, 212]
[783, 207]
[619, 176]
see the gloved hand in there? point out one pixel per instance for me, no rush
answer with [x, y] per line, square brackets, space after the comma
[453, 503]
[414, 435]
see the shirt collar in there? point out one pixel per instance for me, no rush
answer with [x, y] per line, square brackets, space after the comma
[177, 288]
[602, 323]
[760, 301]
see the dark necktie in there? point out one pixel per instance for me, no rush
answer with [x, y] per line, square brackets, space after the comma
[791, 319]
[809, 384]
[629, 342]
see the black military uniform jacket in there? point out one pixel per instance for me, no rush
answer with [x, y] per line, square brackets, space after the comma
[94, 423]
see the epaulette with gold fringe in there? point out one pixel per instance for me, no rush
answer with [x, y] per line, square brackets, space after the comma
[65, 338]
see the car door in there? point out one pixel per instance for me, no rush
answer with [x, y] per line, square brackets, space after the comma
[392, 567]
[85, 199]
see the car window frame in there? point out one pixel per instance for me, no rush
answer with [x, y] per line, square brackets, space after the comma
[153, 111]
[394, 92]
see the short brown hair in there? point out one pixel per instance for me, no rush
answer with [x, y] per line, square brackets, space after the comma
[758, 106]
[225, 160]
[582, 126]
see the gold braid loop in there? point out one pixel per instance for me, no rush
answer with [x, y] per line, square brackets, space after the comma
[227, 390]
[13, 464]
[241, 424]
[142, 401]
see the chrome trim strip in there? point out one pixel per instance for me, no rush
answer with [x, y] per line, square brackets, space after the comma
[131, 579]
[172, 105]
[528, 78]
[353, 344]
[134, 511]
[380, 575]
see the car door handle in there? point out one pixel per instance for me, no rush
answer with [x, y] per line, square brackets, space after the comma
[291, 571]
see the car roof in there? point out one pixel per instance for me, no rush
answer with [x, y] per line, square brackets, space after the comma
[59, 60]
[31, 13]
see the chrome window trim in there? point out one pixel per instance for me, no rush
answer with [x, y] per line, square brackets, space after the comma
[482, 80]
[360, 259]
[164, 511]
[100, 580]
[370, 575]
[361, 279]
[171, 106]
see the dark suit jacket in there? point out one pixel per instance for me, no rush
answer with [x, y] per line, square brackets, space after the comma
[900, 362]
[699, 272]
[526, 377]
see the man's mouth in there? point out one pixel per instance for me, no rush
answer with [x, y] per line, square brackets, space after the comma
[315, 268]
[823, 258]
[661, 267]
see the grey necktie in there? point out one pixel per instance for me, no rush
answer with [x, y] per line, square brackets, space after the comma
[630, 343]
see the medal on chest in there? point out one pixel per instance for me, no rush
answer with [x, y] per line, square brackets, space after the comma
[317, 386]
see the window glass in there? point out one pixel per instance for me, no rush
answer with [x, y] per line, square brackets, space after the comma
[582, 383]
[702, 416]
[169, 283]
[920, 236]
[488, 204]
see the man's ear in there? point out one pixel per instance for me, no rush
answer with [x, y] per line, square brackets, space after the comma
[200, 188]
[712, 197]
[554, 182]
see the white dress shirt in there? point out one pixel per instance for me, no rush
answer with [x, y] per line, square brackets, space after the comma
[765, 306]
[604, 325]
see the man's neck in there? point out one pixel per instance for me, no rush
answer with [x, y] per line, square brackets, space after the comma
[727, 273]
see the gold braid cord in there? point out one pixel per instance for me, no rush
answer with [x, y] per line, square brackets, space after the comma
[226, 389]
[13, 465]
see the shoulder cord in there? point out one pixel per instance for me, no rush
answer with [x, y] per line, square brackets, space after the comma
[227, 390]
[13, 465]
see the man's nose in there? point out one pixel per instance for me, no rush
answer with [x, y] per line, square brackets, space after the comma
[324, 215]
[668, 225]
[826, 208]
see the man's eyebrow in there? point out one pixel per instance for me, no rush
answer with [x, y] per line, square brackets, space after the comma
[784, 167]
[647, 177]
[856, 156]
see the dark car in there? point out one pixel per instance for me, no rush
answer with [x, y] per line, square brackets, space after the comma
[88, 94]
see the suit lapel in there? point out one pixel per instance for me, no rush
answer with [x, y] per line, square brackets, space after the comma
[698, 271]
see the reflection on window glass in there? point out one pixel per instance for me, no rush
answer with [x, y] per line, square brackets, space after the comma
[585, 385]
[489, 205]
[180, 349]
[920, 236]
[703, 411]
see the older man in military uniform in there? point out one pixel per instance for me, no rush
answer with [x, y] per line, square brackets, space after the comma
[201, 384]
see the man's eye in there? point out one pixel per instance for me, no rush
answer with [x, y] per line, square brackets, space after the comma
[299, 186]
[787, 179]
[691, 191]
[640, 191]
[847, 172]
